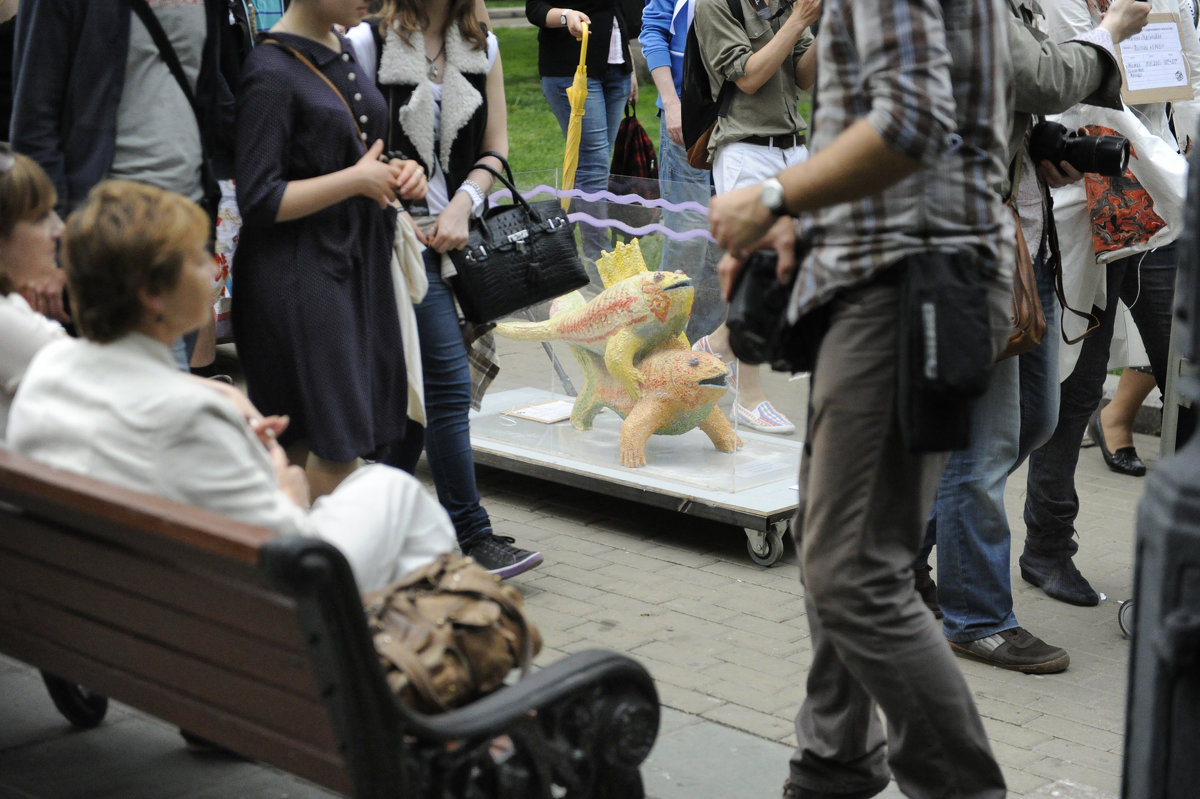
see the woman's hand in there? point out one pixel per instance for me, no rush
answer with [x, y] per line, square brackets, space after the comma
[451, 229]
[575, 20]
[413, 182]
[291, 479]
[376, 180]
[45, 295]
[268, 428]
[633, 88]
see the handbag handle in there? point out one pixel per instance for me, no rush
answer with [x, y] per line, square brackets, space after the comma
[503, 161]
[510, 185]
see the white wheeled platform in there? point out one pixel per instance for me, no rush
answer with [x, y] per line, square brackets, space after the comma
[754, 488]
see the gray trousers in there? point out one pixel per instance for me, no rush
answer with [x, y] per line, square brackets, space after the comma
[864, 501]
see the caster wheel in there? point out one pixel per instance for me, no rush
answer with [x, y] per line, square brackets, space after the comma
[80, 706]
[765, 547]
[1125, 618]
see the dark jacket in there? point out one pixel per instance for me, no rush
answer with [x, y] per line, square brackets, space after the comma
[68, 75]
[401, 77]
[558, 52]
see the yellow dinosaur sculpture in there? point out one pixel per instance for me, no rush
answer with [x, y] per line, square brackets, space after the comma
[638, 312]
[635, 358]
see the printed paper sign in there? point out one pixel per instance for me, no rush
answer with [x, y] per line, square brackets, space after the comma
[1153, 66]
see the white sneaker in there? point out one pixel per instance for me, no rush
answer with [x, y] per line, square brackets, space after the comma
[764, 418]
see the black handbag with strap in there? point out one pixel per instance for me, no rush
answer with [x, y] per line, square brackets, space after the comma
[515, 256]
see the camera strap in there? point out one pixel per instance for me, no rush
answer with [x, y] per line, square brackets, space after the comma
[1093, 322]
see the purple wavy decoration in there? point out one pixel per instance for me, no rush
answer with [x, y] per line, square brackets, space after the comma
[621, 199]
[591, 221]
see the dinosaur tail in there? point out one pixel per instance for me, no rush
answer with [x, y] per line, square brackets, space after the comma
[527, 331]
[542, 331]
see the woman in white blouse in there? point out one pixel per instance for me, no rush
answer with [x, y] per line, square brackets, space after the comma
[112, 405]
[30, 280]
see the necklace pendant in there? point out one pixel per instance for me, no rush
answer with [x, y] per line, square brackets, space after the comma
[432, 71]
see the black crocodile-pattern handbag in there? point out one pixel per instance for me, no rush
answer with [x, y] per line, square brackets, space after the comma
[515, 256]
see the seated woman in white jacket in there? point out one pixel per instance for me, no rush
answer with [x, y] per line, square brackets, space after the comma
[113, 406]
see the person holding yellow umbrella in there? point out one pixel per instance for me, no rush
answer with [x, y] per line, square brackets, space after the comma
[610, 83]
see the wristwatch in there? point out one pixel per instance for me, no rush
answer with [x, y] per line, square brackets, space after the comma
[772, 197]
[562, 18]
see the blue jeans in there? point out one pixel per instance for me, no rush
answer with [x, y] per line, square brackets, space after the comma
[1014, 416]
[1146, 283]
[680, 182]
[447, 434]
[602, 113]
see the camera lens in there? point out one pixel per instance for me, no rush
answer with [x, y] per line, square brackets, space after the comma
[1104, 155]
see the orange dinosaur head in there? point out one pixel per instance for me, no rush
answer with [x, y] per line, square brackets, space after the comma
[668, 294]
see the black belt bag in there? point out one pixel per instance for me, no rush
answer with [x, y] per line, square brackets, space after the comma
[945, 347]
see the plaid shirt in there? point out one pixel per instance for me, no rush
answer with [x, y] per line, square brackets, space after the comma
[933, 78]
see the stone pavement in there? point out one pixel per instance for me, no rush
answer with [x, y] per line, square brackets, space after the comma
[725, 640]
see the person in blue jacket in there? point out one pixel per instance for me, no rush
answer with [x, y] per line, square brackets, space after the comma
[665, 25]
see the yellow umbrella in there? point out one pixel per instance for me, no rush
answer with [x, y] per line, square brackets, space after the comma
[577, 94]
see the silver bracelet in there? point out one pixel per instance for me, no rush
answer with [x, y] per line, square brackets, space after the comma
[472, 190]
[478, 189]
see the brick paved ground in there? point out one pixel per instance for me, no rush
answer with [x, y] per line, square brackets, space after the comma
[726, 641]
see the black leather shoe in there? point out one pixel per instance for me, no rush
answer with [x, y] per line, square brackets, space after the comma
[927, 588]
[1058, 577]
[1125, 460]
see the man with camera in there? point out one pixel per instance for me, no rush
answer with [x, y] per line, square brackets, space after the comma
[1132, 259]
[1018, 411]
[908, 147]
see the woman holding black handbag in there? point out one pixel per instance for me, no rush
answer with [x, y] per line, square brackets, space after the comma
[439, 69]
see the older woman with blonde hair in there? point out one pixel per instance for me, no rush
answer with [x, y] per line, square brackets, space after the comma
[30, 280]
[114, 405]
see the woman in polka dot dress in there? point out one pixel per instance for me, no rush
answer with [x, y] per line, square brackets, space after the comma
[315, 311]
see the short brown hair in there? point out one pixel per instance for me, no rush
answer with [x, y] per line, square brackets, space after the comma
[126, 237]
[26, 195]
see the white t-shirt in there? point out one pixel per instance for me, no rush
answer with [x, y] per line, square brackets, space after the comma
[23, 331]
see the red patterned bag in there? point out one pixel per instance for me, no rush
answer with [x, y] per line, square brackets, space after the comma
[1122, 211]
[634, 170]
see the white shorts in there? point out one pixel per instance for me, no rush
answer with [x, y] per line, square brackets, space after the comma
[741, 164]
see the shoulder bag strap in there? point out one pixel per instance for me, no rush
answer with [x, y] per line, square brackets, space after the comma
[299, 57]
[155, 28]
[1056, 265]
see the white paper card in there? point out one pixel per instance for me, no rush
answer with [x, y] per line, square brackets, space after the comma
[1153, 65]
[546, 412]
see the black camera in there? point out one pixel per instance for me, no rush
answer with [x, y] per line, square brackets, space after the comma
[759, 331]
[1104, 155]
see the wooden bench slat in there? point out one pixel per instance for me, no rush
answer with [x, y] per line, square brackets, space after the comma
[73, 500]
[270, 745]
[150, 660]
[181, 584]
[287, 668]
